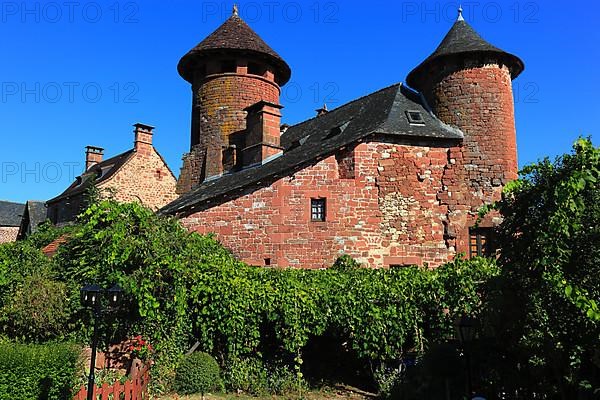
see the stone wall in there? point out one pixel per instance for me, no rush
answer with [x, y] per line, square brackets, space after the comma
[145, 178]
[8, 234]
[477, 98]
[383, 208]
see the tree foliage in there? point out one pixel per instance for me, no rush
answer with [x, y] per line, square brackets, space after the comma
[182, 287]
[542, 317]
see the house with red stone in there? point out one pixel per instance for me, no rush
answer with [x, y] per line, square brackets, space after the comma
[393, 178]
[137, 175]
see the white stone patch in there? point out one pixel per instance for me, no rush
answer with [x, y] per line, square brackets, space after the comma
[259, 204]
[398, 211]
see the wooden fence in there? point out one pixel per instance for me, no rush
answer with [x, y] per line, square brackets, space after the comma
[135, 388]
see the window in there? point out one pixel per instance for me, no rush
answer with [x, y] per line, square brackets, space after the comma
[317, 210]
[256, 69]
[228, 66]
[480, 242]
[415, 117]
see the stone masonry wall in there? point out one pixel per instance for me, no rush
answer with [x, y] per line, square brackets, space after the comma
[383, 208]
[477, 98]
[8, 234]
[144, 178]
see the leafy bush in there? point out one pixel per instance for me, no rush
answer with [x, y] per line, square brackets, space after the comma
[38, 309]
[32, 372]
[252, 376]
[542, 321]
[345, 262]
[247, 375]
[182, 287]
[198, 373]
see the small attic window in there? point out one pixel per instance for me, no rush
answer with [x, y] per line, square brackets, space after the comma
[228, 66]
[256, 69]
[415, 117]
[338, 129]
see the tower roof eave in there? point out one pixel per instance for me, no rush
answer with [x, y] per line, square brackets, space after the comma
[460, 41]
[234, 36]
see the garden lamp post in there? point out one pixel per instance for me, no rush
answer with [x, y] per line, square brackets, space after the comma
[465, 331]
[91, 297]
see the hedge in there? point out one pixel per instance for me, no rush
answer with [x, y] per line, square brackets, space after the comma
[38, 371]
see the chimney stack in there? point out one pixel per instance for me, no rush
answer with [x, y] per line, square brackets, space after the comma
[322, 111]
[93, 156]
[262, 132]
[143, 138]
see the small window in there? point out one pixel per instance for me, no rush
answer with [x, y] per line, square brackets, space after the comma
[256, 69]
[415, 117]
[317, 210]
[480, 242]
[228, 66]
[267, 262]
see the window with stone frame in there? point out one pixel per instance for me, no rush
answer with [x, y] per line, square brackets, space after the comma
[318, 209]
[481, 242]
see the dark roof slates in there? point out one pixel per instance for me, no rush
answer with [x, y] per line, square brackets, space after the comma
[233, 35]
[11, 213]
[462, 39]
[379, 112]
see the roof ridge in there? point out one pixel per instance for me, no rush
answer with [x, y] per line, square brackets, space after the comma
[347, 104]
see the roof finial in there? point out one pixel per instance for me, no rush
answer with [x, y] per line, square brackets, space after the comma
[236, 12]
[460, 16]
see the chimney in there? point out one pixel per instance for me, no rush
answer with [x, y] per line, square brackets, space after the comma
[93, 155]
[143, 138]
[322, 111]
[262, 132]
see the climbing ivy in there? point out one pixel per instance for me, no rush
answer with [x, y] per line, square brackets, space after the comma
[183, 288]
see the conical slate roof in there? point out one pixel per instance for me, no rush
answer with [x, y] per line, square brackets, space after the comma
[234, 36]
[462, 40]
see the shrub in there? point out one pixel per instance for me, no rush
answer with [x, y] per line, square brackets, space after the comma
[252, 376]
[38, 309]
[198, 373]
[344, 262]
[247, 375]
[38, 371]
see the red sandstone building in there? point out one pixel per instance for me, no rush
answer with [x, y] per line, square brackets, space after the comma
[393, 178]
[137, 175]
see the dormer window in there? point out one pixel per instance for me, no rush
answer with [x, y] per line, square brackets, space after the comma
[415, 117]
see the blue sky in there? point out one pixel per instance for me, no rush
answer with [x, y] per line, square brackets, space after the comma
[79, 73]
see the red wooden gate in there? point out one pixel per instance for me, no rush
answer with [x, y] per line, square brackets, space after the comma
[134, 389]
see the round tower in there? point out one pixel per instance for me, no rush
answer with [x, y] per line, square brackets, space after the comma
[468, 84]
[230, 70]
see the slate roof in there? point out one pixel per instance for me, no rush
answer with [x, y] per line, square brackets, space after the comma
[98, 174]
[234, 36]
[11, 213]
[37, 213]
[382, 112]
[461, 40]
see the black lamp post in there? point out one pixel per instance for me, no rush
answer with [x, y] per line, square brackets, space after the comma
[465, 331]
[90, 297]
